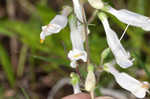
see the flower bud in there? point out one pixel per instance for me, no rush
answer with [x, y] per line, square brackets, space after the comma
[97, 4]
[75, 83]
[90, 79]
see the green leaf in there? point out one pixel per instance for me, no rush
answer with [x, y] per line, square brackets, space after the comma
[6, 65]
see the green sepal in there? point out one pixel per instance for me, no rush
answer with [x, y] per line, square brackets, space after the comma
[102, 16]
[90, 67]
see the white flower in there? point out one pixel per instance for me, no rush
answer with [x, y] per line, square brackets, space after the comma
[57, 23]
[122, 57]
[78, 9]
[131, 18]
[129, 83]
[98, 4]
[77, 39]
[55, 26]
[75, 55]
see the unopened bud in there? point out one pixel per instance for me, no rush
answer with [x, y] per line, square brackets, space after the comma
[90, 80]
[97, 4]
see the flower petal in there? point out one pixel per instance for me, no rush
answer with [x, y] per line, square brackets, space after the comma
[127, 82]
[55, 26]
[76, 54]
[78, 9]
[131, 18]
[77, 39]
[77, 33]
[122, 57]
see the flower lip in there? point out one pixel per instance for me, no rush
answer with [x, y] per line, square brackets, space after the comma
[77, 54]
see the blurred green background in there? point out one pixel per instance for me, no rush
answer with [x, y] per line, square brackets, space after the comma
[29, 70]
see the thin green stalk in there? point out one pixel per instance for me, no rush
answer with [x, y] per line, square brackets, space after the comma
[22, 59]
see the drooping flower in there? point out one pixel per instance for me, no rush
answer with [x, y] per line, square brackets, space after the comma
[122, 57]
[97, 4]
[127, 82]
[130, 18]
[56, 25]
[75, 83]
[77, 39]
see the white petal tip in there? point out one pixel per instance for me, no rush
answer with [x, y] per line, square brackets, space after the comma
[44, 27]
[124, 63]
[140, 94]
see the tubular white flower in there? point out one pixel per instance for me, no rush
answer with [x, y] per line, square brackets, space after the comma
[55, 26]
[129, 83]
[130, 18]
[78, 9]
[122, 57]
[77, 39]
[98, 4]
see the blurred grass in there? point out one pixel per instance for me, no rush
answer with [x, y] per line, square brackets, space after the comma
[7, 67]
[53, 53]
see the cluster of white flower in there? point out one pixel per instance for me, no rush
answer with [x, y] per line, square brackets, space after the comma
[77, 35]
